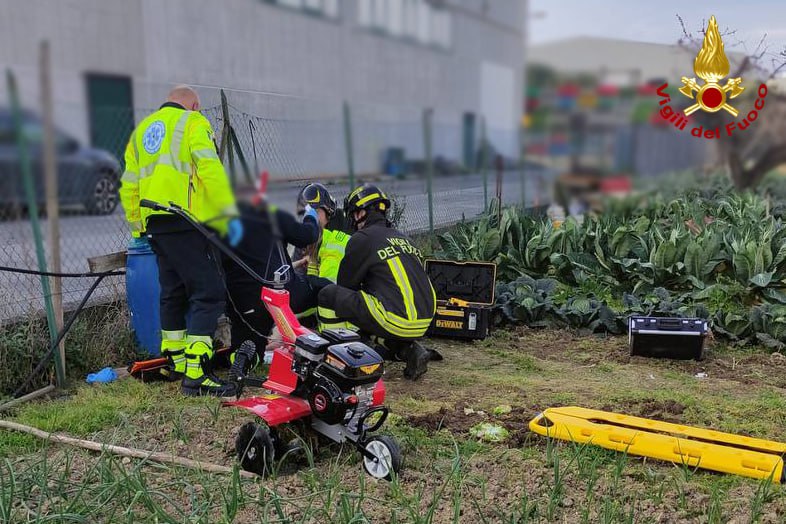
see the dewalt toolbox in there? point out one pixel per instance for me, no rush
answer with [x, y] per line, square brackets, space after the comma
[661, 337]
[465, 295]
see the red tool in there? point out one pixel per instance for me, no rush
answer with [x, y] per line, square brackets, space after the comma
[331, 381]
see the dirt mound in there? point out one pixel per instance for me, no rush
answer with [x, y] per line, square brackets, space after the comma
[663, 410]
[460, 419]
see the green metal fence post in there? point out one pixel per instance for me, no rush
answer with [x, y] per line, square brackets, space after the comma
[348, 144]
[427, 114]
[226, 138]
[32, 210]
[483, 162]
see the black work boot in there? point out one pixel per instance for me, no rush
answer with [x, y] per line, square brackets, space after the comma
[244, 360]
[417, 361]
[207, 385]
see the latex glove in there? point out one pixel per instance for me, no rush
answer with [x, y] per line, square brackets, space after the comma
[139, 243]
[102, 377]
[235, 233]
[310, 212]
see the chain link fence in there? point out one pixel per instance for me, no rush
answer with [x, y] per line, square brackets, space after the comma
[294, 139]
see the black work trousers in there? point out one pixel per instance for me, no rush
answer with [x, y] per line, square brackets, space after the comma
[191, 282]
[338, 305]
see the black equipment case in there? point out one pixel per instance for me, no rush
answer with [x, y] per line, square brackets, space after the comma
[661, 337]
[465, 295]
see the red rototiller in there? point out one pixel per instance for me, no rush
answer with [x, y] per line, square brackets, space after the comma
[328, 383]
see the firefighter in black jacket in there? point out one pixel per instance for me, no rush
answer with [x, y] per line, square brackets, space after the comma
[382, 288]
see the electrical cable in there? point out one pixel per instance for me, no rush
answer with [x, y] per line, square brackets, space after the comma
[45, 359]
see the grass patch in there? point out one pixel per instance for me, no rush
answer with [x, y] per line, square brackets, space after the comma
[98, 338]
[89, 409]
[449, 475]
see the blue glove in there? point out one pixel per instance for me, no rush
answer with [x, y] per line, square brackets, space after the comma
[102, 377]
[310, 212]
[139, 243]
[235, 233]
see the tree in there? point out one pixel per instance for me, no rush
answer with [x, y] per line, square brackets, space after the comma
[750, 154]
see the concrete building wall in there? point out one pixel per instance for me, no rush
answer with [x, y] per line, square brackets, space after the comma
[281, 62]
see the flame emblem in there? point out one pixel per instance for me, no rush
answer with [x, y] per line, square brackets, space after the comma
[711, 65]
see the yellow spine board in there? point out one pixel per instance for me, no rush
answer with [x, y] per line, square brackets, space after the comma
[693, 447]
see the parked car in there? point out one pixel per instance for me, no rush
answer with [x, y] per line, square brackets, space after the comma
[87, 177]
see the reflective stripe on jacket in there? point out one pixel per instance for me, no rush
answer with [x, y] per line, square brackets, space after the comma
[383, 264]
[331, 251]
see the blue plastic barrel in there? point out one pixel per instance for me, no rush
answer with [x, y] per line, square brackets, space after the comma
[142, 294]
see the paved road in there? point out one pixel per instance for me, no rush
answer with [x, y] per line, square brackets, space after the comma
[87, 236]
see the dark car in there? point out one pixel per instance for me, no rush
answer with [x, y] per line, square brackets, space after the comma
[87, 177]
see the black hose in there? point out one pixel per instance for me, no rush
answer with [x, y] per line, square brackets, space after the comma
[45, 360]
[214, 240]
[61, 275]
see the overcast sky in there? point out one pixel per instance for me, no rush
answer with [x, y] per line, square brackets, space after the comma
[656, 20]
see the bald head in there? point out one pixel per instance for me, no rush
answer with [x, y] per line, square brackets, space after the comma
[185, 96]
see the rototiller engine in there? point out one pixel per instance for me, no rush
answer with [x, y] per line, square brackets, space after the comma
[332, 382]
[329, 383]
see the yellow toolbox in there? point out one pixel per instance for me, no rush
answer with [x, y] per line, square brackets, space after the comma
[465, 296]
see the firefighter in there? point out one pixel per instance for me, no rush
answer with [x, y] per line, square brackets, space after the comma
[323, 258]
[171, 157]
[268, 231]
[382, 288]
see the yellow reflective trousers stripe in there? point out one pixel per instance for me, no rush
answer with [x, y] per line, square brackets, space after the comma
[392, 323]
[328, 319]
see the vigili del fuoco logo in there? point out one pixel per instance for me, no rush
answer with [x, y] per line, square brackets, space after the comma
[712, 66]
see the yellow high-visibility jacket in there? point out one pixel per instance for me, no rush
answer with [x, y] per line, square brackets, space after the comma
[171, 157]
[331, 251]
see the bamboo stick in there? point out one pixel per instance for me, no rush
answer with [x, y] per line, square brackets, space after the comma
[30, 396]
[51, 191]
[155, 456]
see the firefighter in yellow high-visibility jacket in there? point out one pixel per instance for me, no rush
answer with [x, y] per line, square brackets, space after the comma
[171, 157]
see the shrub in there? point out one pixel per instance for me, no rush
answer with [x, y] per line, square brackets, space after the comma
[713, 254]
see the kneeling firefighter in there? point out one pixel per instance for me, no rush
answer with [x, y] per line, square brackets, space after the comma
[325, 256]
[382, 288]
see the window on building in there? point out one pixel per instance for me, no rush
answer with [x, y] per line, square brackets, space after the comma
[410, 18]
[396, 18]
[379, 15]
[440, 27]
[417, 20]
[424, 23]
[330, 8]
[327, 8]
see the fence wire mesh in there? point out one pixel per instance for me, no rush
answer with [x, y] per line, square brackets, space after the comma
[294, 139]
